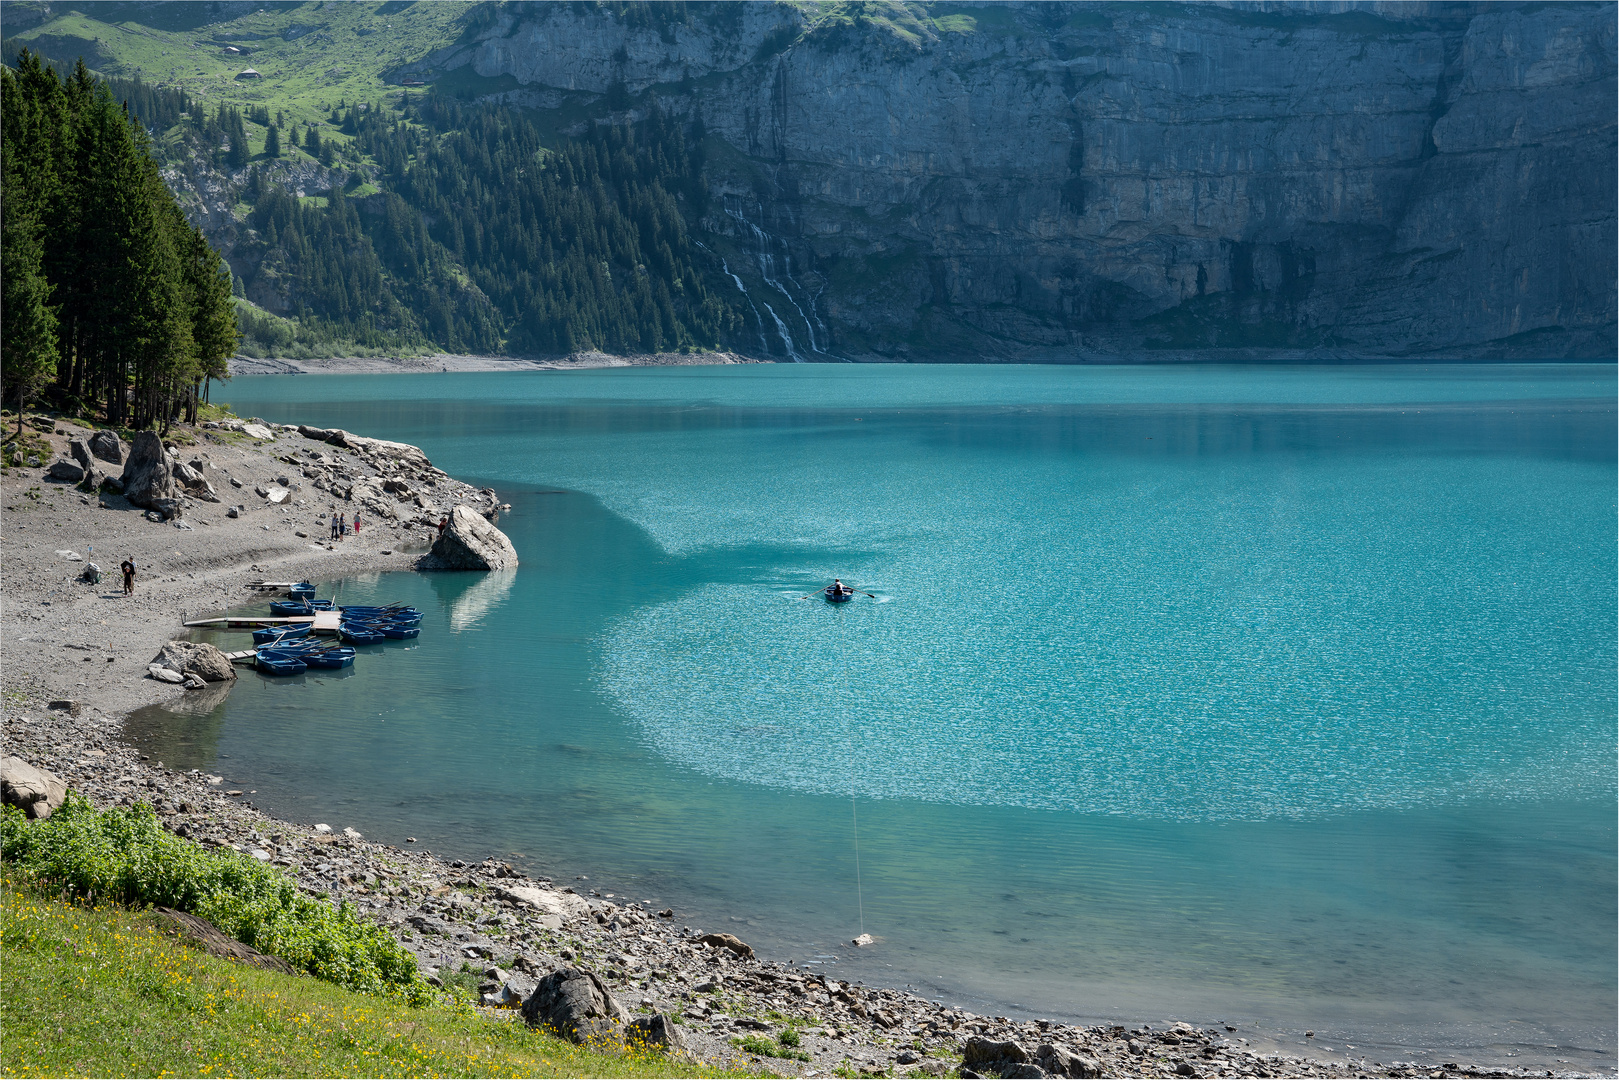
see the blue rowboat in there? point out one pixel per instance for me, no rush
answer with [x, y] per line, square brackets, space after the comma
[342, 656]
[397, 632]
[302, 591]
[407, 615]
[272, 634]
[273, 663]
[360, 633]
[299, 607]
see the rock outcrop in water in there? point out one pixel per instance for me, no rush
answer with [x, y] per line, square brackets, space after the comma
[1055, 180]
[470, 542]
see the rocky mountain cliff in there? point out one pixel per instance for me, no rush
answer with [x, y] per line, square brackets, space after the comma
[1078, 181]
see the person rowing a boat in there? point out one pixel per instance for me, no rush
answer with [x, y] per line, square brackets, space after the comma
[838, 590]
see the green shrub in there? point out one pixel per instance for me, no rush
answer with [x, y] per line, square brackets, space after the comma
[124, 856]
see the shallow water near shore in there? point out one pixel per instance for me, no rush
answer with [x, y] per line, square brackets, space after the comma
[1283, 696]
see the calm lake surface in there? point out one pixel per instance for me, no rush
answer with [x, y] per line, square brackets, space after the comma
[1282, 696]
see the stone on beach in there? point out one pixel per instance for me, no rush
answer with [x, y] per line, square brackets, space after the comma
[66, 470]
[469, 542]
[981, 1051]
[32, 790]
[576, 1003]
[164, 674]
[725, 941]
[555, 907]
[147, 480]
[196, 658]
[107, 447]
[1057, 1061]
[655, 1030]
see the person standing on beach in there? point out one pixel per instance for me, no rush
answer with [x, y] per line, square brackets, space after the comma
[337, 525]
[356, 523]
[128, 567]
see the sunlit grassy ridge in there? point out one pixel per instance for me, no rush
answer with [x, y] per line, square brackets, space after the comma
[104, 992]
[310, 56]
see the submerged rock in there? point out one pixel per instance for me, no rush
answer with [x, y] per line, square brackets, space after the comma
[469, 542]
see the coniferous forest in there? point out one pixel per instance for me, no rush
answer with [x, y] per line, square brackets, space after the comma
[449, 226]
[483, 239]
[113, 300]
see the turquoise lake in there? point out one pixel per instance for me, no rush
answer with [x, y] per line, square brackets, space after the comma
[1279, 696]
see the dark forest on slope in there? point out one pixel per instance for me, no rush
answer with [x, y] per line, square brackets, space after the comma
[483, 239]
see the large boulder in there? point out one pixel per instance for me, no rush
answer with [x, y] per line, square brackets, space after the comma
[108, 447]
[980, 1051]
[576, 1004]
[1059, 1061]
[469, 542]
[554, 907]
[195, 483]
[66, 470]
[84, 457]
[196, 658]
[32, 790]
[147, 476]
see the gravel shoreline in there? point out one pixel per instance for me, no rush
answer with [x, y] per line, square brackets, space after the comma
[440, 362]
[87, 647]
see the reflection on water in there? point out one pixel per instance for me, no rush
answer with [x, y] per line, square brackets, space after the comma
[469, 608]
[1093, 605]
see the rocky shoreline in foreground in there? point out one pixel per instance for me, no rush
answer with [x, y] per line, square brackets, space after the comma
[86, 648]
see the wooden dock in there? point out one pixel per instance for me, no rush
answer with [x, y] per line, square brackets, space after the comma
[322, 622]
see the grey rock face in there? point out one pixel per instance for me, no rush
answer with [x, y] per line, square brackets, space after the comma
[147, 479]
[196, 658]
[576, 1003]
[107, 446]
[65, 470]
[1376, 179]
[470, 542]
[32, 790]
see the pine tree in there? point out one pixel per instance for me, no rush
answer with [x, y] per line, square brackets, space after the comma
[272, 142]
[28, 353]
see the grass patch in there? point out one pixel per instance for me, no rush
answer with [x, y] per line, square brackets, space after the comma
[783, 1046]
[124, 856]
[103, 992]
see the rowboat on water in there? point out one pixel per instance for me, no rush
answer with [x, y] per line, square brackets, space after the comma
[399, 632]
[272, 634]
[838, 596]
[299, 607]
[274, 663]
[357, 633]
[301, 590]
